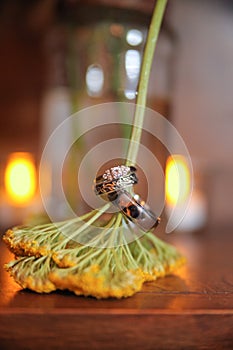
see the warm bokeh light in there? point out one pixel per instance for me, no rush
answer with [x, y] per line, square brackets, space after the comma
[177, 180]
[20, 178]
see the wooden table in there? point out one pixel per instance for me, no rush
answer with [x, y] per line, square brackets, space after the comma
[193, 310]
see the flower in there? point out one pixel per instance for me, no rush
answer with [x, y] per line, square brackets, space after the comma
[98, 283]
[32, 273]
[48, 258]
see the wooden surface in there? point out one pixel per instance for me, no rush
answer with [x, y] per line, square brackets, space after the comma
[191, 310]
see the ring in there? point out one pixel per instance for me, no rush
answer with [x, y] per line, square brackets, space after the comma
[115, 173]
[136, 210]
[115, 185]
[114, 180]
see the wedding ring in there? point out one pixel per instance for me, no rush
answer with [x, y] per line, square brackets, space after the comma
[136, 210]
[115, 173]
[115, 185]
[114, 180]
[112, 185]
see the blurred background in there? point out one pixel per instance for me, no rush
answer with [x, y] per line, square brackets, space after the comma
[60, 56]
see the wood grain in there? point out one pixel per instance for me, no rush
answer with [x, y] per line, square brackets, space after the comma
[191, 310]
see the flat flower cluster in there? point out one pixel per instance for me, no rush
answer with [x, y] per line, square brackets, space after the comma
[50, 257]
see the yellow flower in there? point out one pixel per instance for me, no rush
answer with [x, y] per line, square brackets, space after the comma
[93, 281]
[64, 261]
[24, 272]
[49, 260]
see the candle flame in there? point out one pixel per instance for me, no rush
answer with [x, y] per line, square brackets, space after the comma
[177, 180]
[20, 178]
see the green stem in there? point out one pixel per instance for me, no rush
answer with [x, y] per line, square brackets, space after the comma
[144, 80]
[84, 226]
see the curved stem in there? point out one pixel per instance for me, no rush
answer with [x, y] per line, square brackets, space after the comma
[144, 80]
[84, 226]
